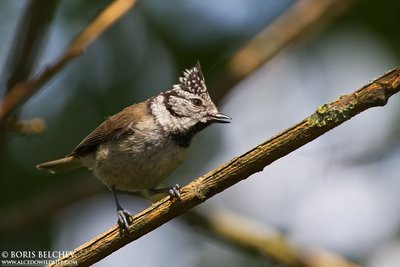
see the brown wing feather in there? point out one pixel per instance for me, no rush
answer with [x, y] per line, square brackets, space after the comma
[112, 128]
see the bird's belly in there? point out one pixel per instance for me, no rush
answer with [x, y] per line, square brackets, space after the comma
[119, 166]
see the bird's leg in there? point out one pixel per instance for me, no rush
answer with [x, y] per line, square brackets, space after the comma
[123, 215]
[173, 192]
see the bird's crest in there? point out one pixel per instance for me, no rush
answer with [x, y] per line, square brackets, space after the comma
[193, 81]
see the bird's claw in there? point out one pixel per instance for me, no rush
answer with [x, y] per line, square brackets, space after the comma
[174, 192]
[123, 218]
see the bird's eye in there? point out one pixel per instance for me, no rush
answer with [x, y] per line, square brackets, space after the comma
[196, 101]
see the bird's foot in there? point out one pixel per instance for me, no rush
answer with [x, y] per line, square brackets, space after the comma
[175, 192]
[123, 218]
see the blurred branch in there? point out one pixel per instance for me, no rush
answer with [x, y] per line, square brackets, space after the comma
[33, 126]
[302, 17]
[325, 118]
[28, 39]
[23, 90]
[245, 233]
[25, 50]
[260, 239]
[323, 258]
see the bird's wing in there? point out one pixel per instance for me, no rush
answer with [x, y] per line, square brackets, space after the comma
[112, 128]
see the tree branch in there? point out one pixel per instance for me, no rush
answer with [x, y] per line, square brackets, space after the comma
[22, 90]
[29, 37]
[257, 238]
[325, 118]
[303, 17]
[249, 235]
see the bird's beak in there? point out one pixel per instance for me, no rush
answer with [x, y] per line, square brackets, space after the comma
[220, 118]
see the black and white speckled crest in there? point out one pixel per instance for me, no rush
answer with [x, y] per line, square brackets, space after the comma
[193, 81]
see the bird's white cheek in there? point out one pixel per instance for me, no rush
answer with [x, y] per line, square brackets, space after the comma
[204, 120]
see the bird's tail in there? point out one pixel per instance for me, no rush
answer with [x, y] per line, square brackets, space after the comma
[59, 165]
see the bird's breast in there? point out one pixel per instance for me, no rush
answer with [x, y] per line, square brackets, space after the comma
[137, 161]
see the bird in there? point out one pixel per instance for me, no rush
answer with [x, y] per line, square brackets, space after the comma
[136, 149]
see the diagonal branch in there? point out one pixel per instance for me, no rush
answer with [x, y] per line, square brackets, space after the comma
[249, 235]
[29, 37]
[325, 118]
[22, 90]
[300, 19]
[254, 237]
